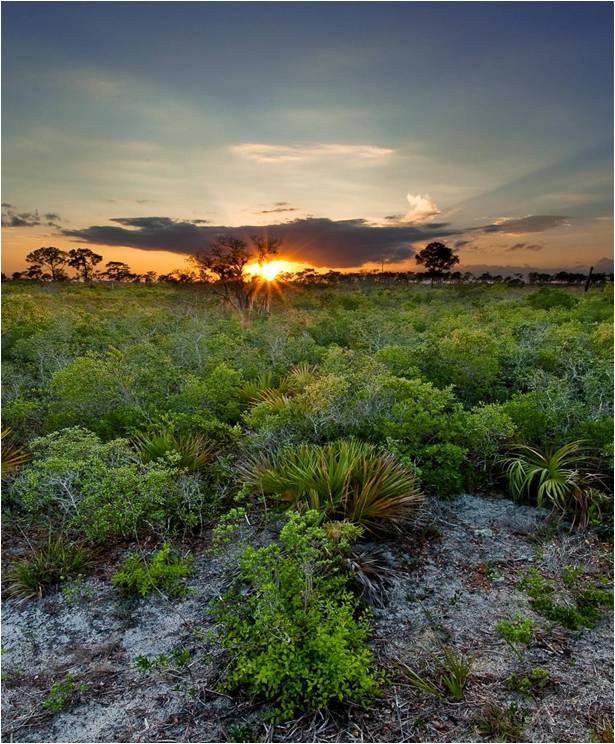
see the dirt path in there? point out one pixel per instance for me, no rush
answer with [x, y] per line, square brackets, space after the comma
[456, 575]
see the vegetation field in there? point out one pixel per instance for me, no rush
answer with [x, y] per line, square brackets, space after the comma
[364, 514]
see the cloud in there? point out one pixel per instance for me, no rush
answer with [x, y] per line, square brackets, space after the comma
[422, 209]
[12, 218]
[278, 207]
[529, 224]
[460, 243]
[263, 153]
[535, 247]
[313, 240]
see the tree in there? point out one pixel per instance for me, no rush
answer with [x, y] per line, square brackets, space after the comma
[54, 258]
[437, 258]
[83, 261]
[117, 271]
[224, 264]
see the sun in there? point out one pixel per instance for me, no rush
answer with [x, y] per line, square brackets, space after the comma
[270, 270]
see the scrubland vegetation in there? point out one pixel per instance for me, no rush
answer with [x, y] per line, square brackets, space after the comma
[284, 481]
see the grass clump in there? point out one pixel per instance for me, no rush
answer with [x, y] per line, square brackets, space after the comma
[293, 629]
[501, 724]
[165, 572]
[48, 566]
[447, 677]
[584, 611]
[347, 480]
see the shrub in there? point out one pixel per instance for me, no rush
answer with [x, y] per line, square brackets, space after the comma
[165, 572]
[293, 630]
[99, 488]
[547, 298]
[347, 479]
[49, 565]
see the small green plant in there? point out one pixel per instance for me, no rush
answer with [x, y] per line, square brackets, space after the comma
[63, 693]
[528, 684]
[165, 572]
[47, 567]
[346, 480]
[454, 672]
[294, 632]
[238, 733]
[587, 599]
[194, 451]
[177, 658]
[501, 724]
[519, 631]
[448, 675]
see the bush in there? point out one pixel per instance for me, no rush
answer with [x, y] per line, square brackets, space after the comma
[165, 572]
[100, 489]
[347, 480]
[293, 630]
[547, 298]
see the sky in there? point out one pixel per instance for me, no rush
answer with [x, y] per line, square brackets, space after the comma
[355, 132]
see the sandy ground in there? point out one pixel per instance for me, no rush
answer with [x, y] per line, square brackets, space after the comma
[455, 575]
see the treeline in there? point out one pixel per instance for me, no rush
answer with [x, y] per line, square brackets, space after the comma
[50, 264]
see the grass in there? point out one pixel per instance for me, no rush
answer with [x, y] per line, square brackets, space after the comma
[55, 562]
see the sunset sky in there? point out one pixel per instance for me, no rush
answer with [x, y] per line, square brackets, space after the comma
[357, 132]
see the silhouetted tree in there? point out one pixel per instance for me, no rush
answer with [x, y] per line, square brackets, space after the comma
[117, 271]
[437, 258]
[224, 264]
[54, 258]
[83, 261]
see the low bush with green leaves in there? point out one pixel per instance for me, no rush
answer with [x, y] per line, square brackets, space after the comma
[101, 490]
[294, 632]
[49, 565]
[165, 572]
[346, 479]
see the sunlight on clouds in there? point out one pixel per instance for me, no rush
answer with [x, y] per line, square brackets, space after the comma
[264, 153]
[422, 208]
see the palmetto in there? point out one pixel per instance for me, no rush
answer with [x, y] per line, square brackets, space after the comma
[195, 451]
[12, 455]
[347, 479]
[551, 475]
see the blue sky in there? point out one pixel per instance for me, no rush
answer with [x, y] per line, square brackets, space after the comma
[376, 125]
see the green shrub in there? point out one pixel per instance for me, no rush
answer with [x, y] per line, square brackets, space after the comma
[347, 479]
[49, 565]
[519, 631]
[99, 488]
[165, 572]
[293, 630]
[547, 298]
